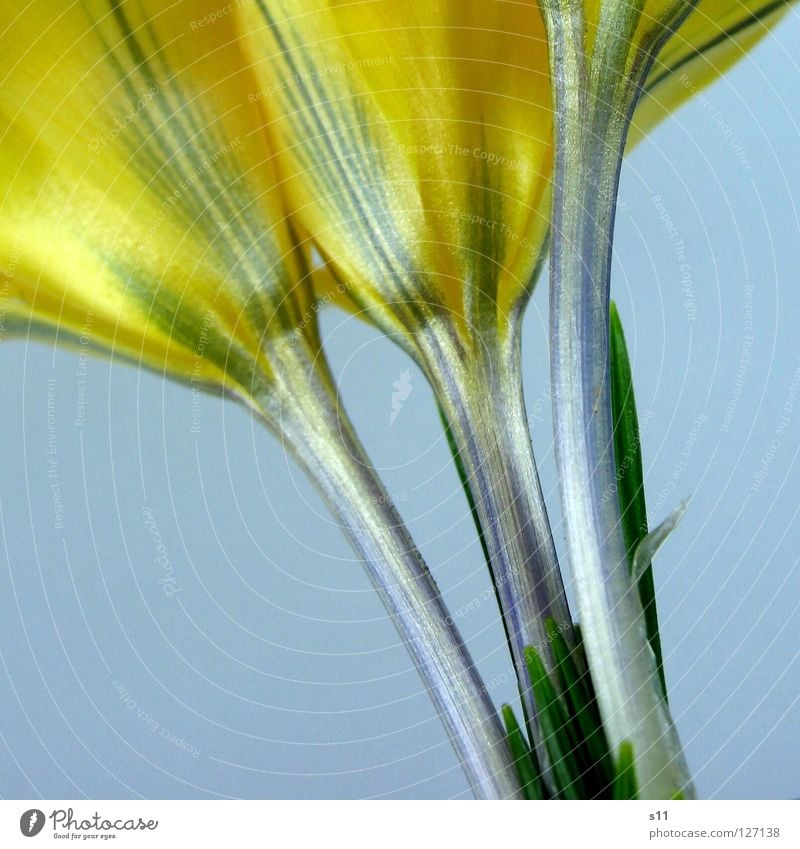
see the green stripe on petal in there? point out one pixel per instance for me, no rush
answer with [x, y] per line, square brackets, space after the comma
[716, 35]
[415, 139]
[138, 189]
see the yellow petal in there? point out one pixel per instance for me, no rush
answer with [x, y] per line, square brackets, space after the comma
[415, 141]
[713, 38]
[138, 202]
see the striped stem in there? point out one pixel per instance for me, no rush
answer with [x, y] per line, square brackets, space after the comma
[482, 401]
[593, 105]
[306, 415]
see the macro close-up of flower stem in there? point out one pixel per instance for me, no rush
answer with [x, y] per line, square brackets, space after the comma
[593, 100]
[278, 203]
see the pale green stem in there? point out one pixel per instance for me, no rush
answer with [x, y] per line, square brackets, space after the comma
[481, 397]
[592, 115]
[305, 414]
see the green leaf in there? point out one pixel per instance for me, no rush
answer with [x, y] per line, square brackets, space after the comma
[578, 691]
[562, 746]
[625, 783]
[526, 762]
[630, 478]
[581, 764]
[462, 476]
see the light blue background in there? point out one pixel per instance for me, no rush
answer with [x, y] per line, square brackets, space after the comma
[275, 660]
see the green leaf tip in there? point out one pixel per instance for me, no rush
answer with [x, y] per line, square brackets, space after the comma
[578, 693]
[630, 477]
[526, 762]
[625, 783]
[581, 766]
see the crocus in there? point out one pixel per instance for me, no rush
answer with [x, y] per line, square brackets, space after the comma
[167, 172]
[603, 57]
[418, 144]
[141, 213]
[415, 144]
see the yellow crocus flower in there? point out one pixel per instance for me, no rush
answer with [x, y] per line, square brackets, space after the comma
[416, 142]
[138, 205]
[141, 215]
[142, 209]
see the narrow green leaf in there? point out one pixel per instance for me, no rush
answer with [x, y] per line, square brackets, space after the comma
[568, 772]
[462, 476]
[630, 477]
[576, 685]
[625, 783]
[528, 770]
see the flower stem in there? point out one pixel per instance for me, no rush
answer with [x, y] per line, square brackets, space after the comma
[593, 104]
[480, 395]
[305, 413]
